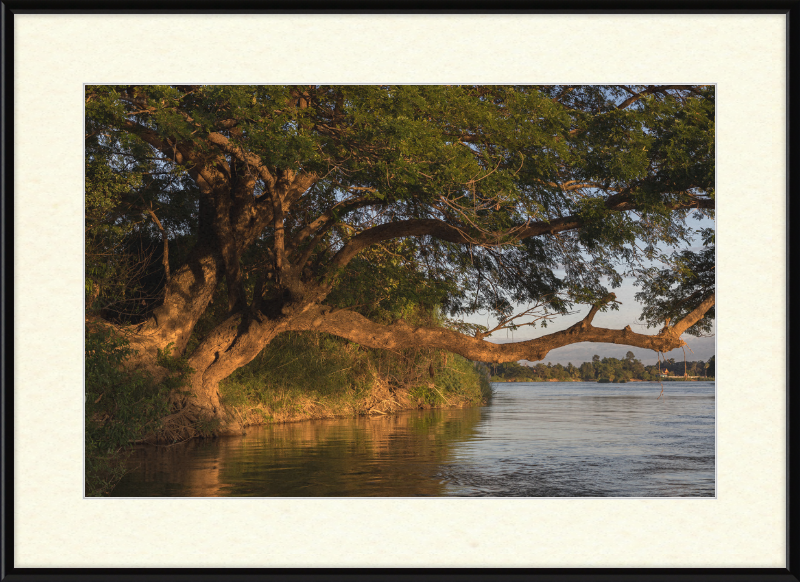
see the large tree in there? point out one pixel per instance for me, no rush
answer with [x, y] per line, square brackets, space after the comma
[309, 206]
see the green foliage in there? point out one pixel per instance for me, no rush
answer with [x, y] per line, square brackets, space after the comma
[673, 292]
[206, 427]
[427, 395]
[386, 283]
[120, 407]
[485, 159]
[110, 271]
[177, 381]
[457, 381]
[462, 379]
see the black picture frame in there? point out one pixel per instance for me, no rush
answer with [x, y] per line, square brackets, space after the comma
[10, 573]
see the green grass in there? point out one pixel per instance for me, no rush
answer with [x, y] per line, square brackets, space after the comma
[312, 375]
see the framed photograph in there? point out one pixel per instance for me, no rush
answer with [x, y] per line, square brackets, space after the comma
[725, 517]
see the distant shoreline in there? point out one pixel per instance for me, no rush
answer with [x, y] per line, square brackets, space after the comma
[515, 381]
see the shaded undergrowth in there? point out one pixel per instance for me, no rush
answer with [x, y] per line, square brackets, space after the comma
[121, 407]
[125, 406]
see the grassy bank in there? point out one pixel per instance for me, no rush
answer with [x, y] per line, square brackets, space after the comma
[310, 375]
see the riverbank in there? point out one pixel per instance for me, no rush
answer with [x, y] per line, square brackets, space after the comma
[313, 376]
[299, 376]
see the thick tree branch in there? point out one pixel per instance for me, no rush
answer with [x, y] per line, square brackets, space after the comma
[226, 239]
[251, 159]
[152, 138]
[328, 217]
[694, 316]
[297, 183]
[279, 247]
[179, 153]
[322, 225]
[400, 335]
[165, 240]
[596, 307]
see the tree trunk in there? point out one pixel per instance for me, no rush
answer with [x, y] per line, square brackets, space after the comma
[186, 298]
[231, 345]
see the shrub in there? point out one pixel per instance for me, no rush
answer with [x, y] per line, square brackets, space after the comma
[120, 408]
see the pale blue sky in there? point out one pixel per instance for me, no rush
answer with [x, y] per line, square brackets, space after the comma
[628, 314]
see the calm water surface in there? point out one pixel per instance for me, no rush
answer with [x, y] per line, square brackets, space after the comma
[536, 439]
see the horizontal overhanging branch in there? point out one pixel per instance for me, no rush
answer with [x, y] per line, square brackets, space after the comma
[447, 232]
[400, 335]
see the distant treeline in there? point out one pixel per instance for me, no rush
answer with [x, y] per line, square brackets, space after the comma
[611, 369]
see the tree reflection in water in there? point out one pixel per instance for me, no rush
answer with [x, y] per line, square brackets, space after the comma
[389, 456]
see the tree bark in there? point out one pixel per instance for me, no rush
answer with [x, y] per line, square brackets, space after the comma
[187, 295]
[231, 345]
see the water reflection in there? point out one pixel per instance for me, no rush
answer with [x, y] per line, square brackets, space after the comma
[390, 456]
[534, 440]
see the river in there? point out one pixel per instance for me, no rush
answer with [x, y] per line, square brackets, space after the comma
[535, 439]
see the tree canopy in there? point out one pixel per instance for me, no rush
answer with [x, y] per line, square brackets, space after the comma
[333, 208]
